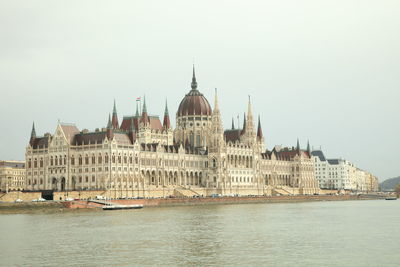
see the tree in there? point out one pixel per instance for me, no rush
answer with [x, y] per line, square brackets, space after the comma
[397, 190]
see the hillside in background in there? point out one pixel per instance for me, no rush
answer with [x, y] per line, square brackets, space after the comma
[390, 184]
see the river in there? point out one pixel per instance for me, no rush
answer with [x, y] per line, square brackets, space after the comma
[331, 233]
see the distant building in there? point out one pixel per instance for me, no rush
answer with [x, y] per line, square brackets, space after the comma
[141, 156]
[341, 174]
[12, 176]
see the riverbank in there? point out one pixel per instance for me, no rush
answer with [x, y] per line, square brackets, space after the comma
[82, 205]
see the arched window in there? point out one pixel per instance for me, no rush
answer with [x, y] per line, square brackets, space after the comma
[80, 159]
[93, 159]
[86, 160]
[214, 163]
[60, 160]
[113, 158]
[65, 159]
[41, 162]
[56, 161]
[72, 160]
[99, 159]
[119, 159]
[35, 163]
[106, 158]
[125, 159]
[29, 163]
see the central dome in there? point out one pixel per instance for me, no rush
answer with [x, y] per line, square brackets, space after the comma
[194, 103]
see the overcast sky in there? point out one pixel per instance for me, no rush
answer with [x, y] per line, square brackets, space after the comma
[327, 71]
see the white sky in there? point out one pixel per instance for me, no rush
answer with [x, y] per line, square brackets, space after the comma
[327, 71]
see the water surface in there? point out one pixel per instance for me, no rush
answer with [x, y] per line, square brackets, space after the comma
[340, 233]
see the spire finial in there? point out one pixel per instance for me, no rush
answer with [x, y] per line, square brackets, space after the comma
[114, 108]
[144, 104]
[259, 129]
[233, 124]
[166, 113]
[109, 126]
[137, 109]
[216, 100]
[33, 132]
[194, 82]
[308, 146]
[298, 145]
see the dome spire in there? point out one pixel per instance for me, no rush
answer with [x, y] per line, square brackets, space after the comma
[194, 82]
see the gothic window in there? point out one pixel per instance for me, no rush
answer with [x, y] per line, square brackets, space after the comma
[119, 158]
[35, 163]
[80, 179]
[99, 159]
[80, 159]
[41, 162]
[106, 158]
[113, 158]
[125, 159]
[86, 179]
[72, 160]
[29, 163]
[93, 159]
[86, 160]
[130, 159]
[65, 159]
[56, 161]
[214, 163]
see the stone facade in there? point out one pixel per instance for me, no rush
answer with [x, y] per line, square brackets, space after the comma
[143, 155]
[12, 176]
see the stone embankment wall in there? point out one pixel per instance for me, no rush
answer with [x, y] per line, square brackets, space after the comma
[159, 202]
[24, 196]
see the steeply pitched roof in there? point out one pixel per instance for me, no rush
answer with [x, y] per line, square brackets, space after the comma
[319, 154]
[70, 130]
[232, 135]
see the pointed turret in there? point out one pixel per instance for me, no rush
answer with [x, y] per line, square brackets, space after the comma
[33, 134]
[308, 147]
[217, 134]
[115, 124]
[233, 124]
[259, 130]
[250, 123]
[298, 145]
[137, 110]
[145, 117]
[166, 122]
[244, 123]
[110, 131]
[194, 82]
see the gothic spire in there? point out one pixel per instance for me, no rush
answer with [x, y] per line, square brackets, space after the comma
[137, 110]
[144, 105]
[259, 130]
[244, 123]
[194, 82]
[233, 124]
[166, 122]
[308, 147]
[298, 145]
[33, 132]
[166, 108]
[145, 117]
[216, 107]
[109, 125]
[114, 120]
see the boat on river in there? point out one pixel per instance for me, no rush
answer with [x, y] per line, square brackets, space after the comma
[122, 207]
[391, 198]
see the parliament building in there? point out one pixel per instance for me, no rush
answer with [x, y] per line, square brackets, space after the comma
[145, 157]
